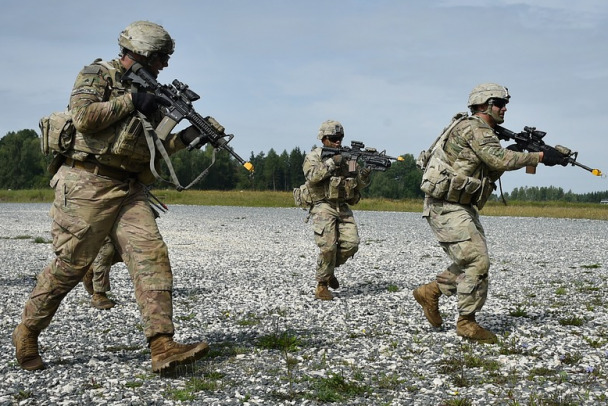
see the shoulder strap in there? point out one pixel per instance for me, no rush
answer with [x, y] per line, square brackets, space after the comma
[441, 140]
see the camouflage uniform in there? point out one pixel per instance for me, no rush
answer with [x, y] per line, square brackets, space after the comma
[473, 150]
[99, 193]
[334, 226]
[100, 269]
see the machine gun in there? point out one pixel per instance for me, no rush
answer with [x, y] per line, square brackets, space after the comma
[374, 160]
[531, 140]
[178, 99]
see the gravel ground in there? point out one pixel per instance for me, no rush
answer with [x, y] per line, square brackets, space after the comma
[244, 283]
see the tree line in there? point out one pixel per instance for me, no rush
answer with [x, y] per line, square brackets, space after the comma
[23, 166]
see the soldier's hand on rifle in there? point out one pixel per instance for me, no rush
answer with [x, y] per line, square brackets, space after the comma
[190, 134]
[337, 159]
[147, 103]
[552, 157]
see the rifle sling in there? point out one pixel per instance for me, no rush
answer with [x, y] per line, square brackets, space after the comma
[155, 143]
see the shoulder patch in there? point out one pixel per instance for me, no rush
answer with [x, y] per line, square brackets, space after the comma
[91, 69]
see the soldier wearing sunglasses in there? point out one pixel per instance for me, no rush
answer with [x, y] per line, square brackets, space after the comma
[334, 185]
[460, 173]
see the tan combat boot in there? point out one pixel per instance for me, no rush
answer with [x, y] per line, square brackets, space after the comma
[322, 292]
[428, 297]
[467, 327]
[102, 301]
[26, 346]
[167, 354]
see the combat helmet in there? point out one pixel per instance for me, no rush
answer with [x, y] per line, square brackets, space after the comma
[485, 91]
[146, 38]
[329, 128]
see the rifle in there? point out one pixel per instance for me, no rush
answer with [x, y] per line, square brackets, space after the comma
[179, 98]
[531, 140]
[374, 160]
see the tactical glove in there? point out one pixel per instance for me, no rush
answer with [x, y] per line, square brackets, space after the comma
[365, 172]
[190, 134]
[552, 157]
[337, 159]
[147, 103]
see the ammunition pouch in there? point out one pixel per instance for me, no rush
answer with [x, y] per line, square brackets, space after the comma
[302, 197]
[462, 189]
[440, 181]
[333, 188]
[131, 142]
[342, 189]
[57, 132]
[436, 178]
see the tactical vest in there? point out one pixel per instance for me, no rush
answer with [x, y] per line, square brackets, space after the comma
[121, 145]
[441, 181]
[338, 189]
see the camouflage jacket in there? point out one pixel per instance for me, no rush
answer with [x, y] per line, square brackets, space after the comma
[107, 123]
[463, 168]
[331, 183]
[473, 149]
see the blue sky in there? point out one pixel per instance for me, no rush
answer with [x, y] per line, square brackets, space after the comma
[393, 72]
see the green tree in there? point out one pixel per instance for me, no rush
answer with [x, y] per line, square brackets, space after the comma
[296, 174]
[400, 181]
[22, 164]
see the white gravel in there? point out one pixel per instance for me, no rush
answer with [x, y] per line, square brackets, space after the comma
[243, 275]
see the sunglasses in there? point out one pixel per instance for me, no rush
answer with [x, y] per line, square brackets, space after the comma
[335, 138]
[162, 57]
[500, 103]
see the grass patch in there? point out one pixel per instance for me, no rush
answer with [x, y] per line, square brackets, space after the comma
[541, 371]
[561, 291]
[457, 402]
[41, 240]
[557, 209]
[519, 311]
[250, 319]
[393, 288]
[22, 395]
[279, 341]
[335, 388]
[571, 358]
[592, 266]
[209, 382]
[572, 321]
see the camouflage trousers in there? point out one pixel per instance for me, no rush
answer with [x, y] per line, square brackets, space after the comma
[461, 235]
[87, 209]
[106, 257]
[336, 235]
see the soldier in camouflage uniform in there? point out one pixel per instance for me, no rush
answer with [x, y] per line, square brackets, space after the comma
[100, 192]
[333, 184]
[97, 279]
[459, 178]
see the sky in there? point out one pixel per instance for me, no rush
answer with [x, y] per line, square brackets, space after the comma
[393, 72]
